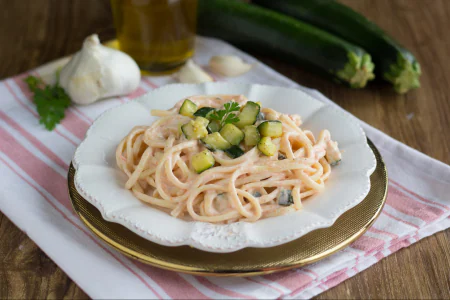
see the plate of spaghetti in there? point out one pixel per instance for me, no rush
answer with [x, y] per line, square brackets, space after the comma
[222, 166]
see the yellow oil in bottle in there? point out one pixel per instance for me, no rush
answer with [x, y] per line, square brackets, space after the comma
[158, 34]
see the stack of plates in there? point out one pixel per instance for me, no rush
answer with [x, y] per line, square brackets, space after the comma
[352, 215]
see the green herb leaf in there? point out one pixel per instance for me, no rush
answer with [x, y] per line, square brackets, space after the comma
[225, 116]
[51, 101]
[33, 83]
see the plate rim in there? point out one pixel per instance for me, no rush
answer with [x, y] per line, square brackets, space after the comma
[198, 271]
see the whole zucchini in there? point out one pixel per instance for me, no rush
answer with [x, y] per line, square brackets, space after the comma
[394, 63]
[262, 30]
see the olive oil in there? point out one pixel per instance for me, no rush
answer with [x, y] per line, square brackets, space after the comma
[158, 34]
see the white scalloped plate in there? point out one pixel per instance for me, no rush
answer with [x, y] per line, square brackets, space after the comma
[101, 183]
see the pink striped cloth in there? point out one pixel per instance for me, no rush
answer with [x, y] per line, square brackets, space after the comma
[33, 194]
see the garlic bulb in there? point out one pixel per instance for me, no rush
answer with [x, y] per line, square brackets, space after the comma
[192, 73]
[228, 65]
[97, 72]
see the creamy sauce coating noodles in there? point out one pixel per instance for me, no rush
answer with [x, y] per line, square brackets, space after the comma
[157, 160]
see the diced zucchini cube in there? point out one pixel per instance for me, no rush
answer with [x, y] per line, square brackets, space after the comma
[285, 198]
[232, 134]
[273, 128]
[214, 141]
[202, 161]
[248, 114]
[203, 112]
[202, 121]
[188, 108]
[266, 146]
[252, 135]
[234, 152]
[194, 130]
[213, 126]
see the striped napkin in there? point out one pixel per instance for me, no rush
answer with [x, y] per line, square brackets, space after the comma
[33, 194]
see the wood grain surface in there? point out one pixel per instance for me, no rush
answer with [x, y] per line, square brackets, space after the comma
[33, 32]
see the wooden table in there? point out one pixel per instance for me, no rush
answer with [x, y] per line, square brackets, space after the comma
[33, 32]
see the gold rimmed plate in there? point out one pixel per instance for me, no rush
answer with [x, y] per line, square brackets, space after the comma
[309, 248]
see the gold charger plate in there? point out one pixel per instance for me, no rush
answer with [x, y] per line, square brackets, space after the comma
[307, 249]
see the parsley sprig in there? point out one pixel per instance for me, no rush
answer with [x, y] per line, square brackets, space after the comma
[51, 101]
[227, 115]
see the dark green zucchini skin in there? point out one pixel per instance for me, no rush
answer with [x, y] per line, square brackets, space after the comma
[393, 62]
[234, 152]
[267, 32]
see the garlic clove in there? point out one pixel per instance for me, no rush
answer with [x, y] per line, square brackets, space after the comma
[97, 72]
[228, 65]
[192, 73]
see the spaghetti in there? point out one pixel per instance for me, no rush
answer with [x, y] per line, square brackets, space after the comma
[158, 162]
